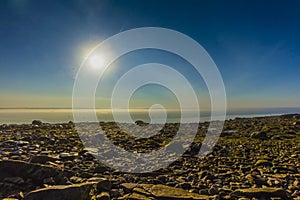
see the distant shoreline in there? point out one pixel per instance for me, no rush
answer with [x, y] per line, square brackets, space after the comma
[70, 108]
[59, 116]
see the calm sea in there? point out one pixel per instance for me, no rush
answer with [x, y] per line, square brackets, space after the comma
[18, 116]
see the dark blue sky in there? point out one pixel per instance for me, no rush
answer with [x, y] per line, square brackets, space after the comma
[255, 45]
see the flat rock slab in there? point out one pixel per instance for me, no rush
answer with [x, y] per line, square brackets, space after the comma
[161, 192]
[66, 192]
[261, 193]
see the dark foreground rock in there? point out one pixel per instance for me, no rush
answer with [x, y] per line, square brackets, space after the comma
[35, 172]
[18, 176]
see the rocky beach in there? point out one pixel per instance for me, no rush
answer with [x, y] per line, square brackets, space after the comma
[254, 158]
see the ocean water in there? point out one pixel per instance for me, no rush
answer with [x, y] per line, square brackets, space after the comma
[19, 116]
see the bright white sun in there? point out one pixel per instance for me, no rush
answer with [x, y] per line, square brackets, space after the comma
[97, 61]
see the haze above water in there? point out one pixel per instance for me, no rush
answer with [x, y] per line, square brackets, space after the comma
[18, 116]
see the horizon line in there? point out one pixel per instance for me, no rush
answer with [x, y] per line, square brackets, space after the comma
[238, 108]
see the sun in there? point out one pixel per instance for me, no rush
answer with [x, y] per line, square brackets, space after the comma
[97, 61]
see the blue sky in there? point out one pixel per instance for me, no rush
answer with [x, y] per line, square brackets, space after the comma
[255, 45]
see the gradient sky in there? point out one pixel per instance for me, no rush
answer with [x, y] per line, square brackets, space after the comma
[255, 44]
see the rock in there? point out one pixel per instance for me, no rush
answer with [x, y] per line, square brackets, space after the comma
[37, 122]
[172, 184]
[282, 137]
[101, 169]
[115, 193]
[141, 123]
[185, 186]
[277, 137]
[75, 179]
[135, 196]
[66, 192]
[213, 190]
[261, 193]
[162, 178]
[204, 191]
[102, 184]
[291, 133]
[22, 143]
[164, 192]
[204, 173]
[264, 163]
[42, 159]
[102, 196]
[256, 179]
[128, 187]
[259, 135]
[66, 156]
[35, 172]
[193, 149]
[85, 175]
[297, 123]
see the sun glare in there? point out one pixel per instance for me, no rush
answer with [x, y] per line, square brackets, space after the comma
[97, 61]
